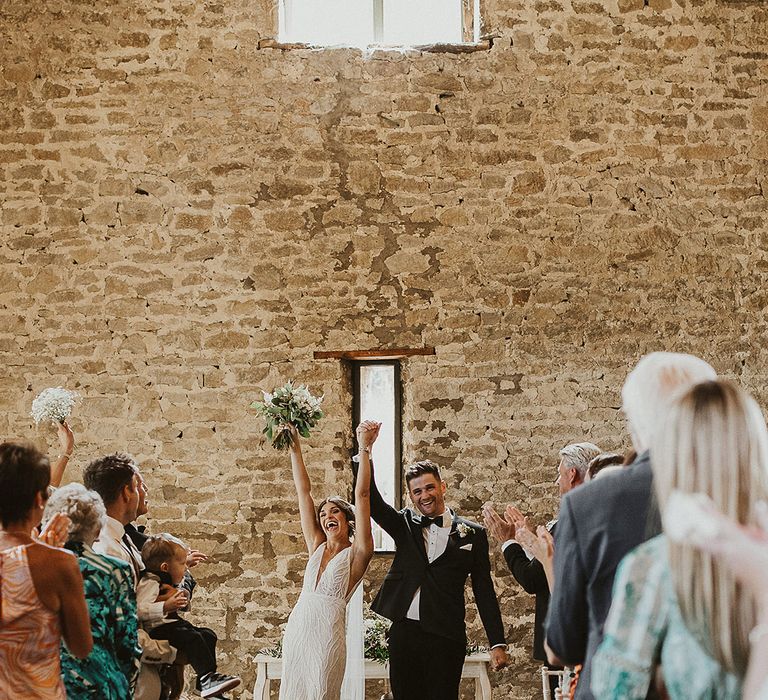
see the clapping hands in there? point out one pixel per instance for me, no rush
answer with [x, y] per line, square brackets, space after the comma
[56, 531]
[504, 527]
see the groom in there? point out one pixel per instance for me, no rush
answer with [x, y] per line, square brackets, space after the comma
[423, 593]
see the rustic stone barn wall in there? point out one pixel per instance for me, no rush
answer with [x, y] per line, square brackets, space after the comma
[189, 211]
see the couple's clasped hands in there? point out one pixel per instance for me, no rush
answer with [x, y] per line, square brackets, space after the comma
[366, 433]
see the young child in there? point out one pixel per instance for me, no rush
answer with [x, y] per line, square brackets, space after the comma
[165, 559]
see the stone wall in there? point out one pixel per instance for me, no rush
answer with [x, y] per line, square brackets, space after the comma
[188, 211]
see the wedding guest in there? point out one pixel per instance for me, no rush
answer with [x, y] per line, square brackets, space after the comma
[165, 559]
[41, 590]
[423, 593]
[117, 479]
[744, 550]
[109, 671]
[675, 605]
[604, 464]
[529, 572]
[603, 520]
[138, 535]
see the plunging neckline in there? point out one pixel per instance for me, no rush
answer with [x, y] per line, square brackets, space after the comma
[321, 573]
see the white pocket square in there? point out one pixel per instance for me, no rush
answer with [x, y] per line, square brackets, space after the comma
[468, 547]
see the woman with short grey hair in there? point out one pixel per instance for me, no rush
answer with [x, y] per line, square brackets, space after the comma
[109, 672]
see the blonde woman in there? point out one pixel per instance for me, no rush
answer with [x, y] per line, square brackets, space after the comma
[676, 606]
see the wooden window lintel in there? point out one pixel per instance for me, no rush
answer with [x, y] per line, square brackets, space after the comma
[382, 354]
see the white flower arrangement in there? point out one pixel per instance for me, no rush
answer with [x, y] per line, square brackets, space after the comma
[288, 405]
[54, 405]
[464, 530]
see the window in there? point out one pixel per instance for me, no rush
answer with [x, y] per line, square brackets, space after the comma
[364, 23]
[376, 387]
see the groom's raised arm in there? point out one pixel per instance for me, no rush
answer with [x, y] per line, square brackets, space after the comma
[384, 514]
[485, 594]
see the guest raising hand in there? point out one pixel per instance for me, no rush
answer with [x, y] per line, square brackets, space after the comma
[41, 590]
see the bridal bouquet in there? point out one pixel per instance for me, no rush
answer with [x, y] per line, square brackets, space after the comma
[288, 404]
[53, 405]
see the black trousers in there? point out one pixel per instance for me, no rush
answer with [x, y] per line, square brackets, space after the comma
[197, 643]
[423, 666]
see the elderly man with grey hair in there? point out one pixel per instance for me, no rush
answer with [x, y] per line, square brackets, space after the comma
[529, 572]
[109, 671]
[574, 465]
[605, 519]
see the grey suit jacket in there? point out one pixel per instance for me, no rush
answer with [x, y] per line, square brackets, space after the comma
[599, 523]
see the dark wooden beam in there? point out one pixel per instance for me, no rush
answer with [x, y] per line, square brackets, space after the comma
[381, 354]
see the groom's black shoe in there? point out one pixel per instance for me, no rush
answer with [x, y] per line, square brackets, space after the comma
[213, 684]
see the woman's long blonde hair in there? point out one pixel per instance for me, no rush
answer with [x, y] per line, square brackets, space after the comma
[714, 441]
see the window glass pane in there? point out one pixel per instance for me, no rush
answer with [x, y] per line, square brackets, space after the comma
[414, 22]
[377, 402]
[327, 22]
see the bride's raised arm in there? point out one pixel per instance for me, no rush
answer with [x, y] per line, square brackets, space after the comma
[313, 535]
[367, 432]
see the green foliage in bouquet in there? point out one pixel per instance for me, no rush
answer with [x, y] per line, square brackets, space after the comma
[275, 651]
[288, 404]
[375, 640]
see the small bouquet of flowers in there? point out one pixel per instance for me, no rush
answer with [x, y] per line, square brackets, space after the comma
[376, 627]
[288, 404]
[53, 405]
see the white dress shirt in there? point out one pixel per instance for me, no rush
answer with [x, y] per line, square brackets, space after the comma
[113, 542]
[435, 542]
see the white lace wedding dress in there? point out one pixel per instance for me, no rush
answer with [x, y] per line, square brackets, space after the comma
[315, 639]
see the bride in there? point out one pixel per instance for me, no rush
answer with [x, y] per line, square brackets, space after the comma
[340, 546]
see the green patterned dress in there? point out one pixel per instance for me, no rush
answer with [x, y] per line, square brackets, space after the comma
[109, 671]
[645, 628]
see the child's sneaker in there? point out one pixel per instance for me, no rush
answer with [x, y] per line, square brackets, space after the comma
[213, 683]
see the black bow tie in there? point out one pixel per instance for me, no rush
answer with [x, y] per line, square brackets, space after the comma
[426, 522]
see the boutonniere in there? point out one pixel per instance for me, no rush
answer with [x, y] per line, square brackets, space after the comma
[464, 530]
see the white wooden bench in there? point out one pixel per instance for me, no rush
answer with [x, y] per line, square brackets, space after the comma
[269, 668]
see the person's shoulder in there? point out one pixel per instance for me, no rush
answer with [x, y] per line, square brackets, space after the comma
[109, 564]
[53, 560]
[613, 489]
[648, 561]
[147, 577]
[53, 554]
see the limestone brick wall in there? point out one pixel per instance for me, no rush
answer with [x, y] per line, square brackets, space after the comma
[188, 211]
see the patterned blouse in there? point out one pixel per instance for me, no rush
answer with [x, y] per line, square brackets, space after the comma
[109, 671]
[645, 628]
[30, 634]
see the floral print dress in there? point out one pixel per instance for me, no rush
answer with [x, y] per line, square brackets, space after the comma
[645, 628]
[109, 671]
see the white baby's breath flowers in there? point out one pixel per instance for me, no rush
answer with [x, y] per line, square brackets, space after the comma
[53, 405]
[463, 529]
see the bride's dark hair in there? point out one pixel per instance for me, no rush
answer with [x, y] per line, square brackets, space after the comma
[345, 507]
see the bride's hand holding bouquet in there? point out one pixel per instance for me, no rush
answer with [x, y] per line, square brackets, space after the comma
[289, 412]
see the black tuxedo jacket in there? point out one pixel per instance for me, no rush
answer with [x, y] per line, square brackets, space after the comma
[529, 573]
[441, 609]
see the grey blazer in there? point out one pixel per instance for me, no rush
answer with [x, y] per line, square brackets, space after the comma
[599, 523]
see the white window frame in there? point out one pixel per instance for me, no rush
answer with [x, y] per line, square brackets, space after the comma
[470, 11]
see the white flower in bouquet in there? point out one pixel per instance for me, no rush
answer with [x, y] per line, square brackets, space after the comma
[53, 405]
[288, 405]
